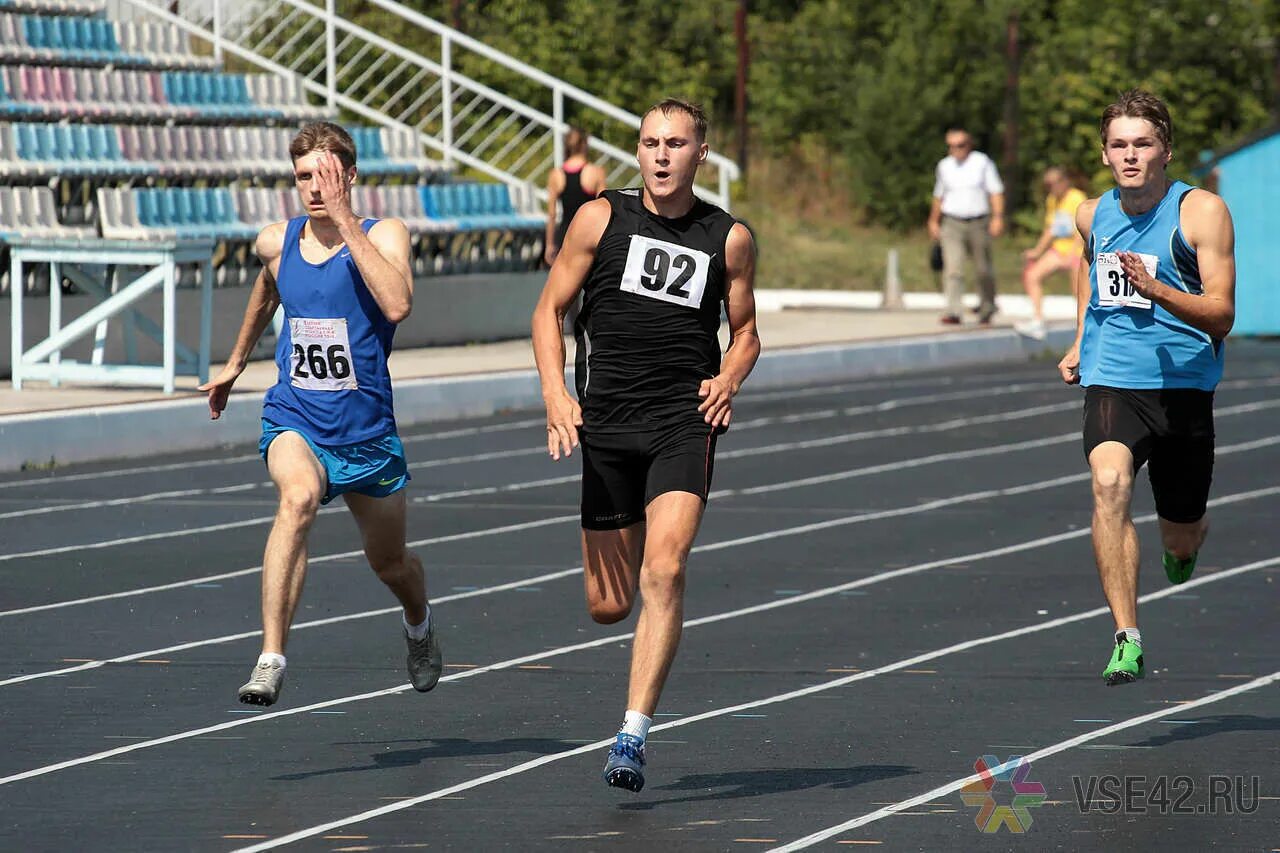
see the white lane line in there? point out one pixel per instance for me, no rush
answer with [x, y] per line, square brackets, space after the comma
[1061, 746]
[56, 479]
[154, 496]
[314, 623]
[787, 697]
[602, 641]
[958, 423]
[888, 405]
[463, 432]
[459, 432]
[763, 450]
[1225, 450]
[324, 558]
[825, 414]
[242, 572]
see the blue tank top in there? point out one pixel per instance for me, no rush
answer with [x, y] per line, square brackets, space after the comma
[1128, 341]
[332, 353]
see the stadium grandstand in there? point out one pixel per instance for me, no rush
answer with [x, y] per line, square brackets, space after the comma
[120, 130]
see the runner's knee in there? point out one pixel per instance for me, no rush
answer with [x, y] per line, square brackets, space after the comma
[1112, 486]
[299, 503]
[608, 611]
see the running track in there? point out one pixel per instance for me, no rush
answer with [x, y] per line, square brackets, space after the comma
[894, 579]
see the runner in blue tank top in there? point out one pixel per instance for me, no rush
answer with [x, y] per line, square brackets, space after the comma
[1152, 315]
[328, 424]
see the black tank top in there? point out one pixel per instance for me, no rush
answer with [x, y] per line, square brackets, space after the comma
[571, 198]
[650, 313]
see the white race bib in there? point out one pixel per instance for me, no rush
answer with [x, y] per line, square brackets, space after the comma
[321, 359]
[1114, 289]
[666, 271]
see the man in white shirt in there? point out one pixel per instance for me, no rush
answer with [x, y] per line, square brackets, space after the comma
[967, 211]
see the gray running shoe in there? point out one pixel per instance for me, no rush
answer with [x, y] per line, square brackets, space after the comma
[425, 661]
[263, 687]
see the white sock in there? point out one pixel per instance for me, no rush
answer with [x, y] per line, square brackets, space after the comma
[271, 658]
[1133, 634]
[637, 724]
[417, 632]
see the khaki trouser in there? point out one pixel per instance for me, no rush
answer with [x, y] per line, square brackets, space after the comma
[961, 237]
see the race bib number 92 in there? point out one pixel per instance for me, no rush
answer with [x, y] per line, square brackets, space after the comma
[321, 358]
[1114, 288]
[666, 271]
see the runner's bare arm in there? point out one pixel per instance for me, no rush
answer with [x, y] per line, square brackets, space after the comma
[555, 186]
[382, 255]
[568, 274]
[263, 301]
[1069, 366]
[744, 341]
[1206, 223]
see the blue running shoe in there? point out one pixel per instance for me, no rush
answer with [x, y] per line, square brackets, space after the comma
[625, 766]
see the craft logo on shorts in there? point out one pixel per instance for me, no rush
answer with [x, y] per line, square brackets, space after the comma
[987, 795]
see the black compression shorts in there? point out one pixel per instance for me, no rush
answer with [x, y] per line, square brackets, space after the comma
[1169, 428]
[623, 471]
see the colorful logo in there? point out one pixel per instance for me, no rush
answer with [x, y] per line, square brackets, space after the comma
[991, 814]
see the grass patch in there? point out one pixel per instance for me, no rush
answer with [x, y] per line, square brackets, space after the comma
[811, 234]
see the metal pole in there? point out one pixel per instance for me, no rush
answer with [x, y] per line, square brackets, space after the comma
[55, 317]
[16, 287]
[1009, 156]
[206, 321]
[557, 115]
[170, 322]
[217, 30]
[446, 92]
[740, 87]
[892, 284]
[330, 49]
[100, 334]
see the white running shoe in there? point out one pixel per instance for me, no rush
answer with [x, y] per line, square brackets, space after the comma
[1034, 329]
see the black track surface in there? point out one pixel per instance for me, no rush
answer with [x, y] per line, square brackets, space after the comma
[960, 530]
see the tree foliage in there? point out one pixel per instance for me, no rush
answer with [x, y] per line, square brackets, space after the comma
[876, 84]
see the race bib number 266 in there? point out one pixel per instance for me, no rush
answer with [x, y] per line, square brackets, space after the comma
[666, 271]
[321, 358]
[1114, 287]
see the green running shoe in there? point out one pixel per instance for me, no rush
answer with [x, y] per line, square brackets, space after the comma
[1126, 663]
[1177, 569]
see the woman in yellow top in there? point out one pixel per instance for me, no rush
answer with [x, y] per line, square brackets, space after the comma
[1058, 249]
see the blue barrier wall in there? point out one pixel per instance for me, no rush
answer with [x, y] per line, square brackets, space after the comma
[1249, 181]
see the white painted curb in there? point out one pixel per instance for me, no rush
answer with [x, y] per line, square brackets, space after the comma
[165, 427]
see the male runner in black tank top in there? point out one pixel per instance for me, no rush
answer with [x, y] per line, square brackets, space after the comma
[654, 266]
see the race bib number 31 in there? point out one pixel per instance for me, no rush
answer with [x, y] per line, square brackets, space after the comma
[321, 359]
[666, 271]
[1114, 288]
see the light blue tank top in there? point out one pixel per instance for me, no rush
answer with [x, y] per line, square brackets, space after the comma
[332, 353]
[1128, 341]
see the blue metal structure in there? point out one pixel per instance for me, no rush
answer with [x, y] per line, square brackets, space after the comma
[1247, 176]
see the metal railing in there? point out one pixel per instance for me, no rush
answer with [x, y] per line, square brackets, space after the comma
[471, 105]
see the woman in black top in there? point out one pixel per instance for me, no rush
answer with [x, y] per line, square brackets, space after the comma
[573, 185]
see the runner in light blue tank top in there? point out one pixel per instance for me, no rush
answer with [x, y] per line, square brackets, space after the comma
[1129, 341]
[1153, 314]
[328, 424]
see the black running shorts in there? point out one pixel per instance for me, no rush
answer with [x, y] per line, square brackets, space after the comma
[623, 471]
[1169, 428]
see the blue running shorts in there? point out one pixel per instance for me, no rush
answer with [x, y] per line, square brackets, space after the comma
[376, 468]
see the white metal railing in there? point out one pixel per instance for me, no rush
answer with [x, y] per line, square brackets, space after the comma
[472, 105]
